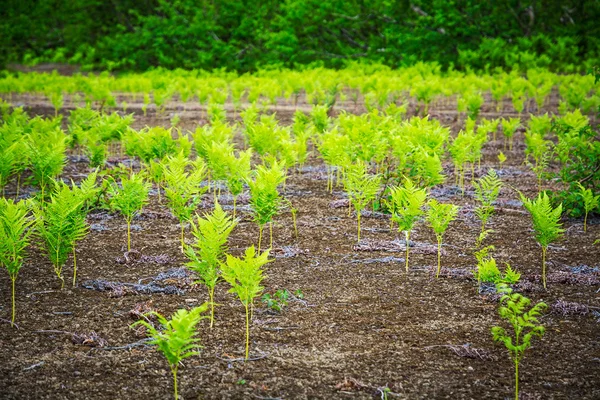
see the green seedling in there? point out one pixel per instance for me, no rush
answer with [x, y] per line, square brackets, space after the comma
[525, 325]
[129, 199]
[208, 251]
[590, 202]
[501, 158]
[15, 230]
[176, 340]
[407, 205]
[245, 276]
[264, 197]
[47, 158]
[277, 301]
[59, 225]
[546, 223]
[487, 189]
[509, 127]
[361, 188]
[439, 217]
[182, 189]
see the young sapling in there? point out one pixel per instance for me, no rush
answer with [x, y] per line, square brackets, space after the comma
[487, 189]
[546, 223]
[15, 229]
[407, 205]
[361, 188]
[525, 326]
[129, 199]
[245, 276]
[590, 202]
[208, 251]
[182, 189]
[176, 341]
[439, 217]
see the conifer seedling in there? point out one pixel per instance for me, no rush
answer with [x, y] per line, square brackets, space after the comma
[525, 325]
[129, 198]
[407, 203]
[208, 251]
[439, 217]
[245, 276]
[15, 230]
[361, 188]
[176, 340]
[546, 223]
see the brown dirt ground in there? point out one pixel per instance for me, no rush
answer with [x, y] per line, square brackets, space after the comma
[364, 324]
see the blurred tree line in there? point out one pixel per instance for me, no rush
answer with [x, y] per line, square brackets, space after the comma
[246, 35]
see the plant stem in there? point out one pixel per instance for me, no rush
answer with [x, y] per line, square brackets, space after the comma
[247, 330]
[516, 379]
[585, 222]
[358, 220]
[234, 203]
[211, 295]
[407, 234]
[260, 229]
[74, 266]
[128, 235]
[294, 222]
[439, 240]
[13, 279]
[544, 249]
[182, 238]
[174, 371]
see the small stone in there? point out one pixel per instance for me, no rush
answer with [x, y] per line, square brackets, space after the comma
[469, 368]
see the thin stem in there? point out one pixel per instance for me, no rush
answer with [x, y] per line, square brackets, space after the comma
[211, 295]
[182, 238]
[234, 204]
[407, 234]
[74, 266]
[358, 220]
[260, 229]
[585, 222]
[439, 240]
[544, 249]
[247, 331]
[174, 371]
[13, 279]
[128, 235]
[516, 379]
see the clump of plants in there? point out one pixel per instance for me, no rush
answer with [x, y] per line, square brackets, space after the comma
[129, 198]
[245, 276]
[546, 223]
[525, 326]
[361, 188]
[407, 209]
[208, 251]
[439, 216]
[509, 127]
[15, 230]
[176, 341]
[59, 225]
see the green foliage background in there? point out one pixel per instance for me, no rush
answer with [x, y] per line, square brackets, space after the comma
[245, 35]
